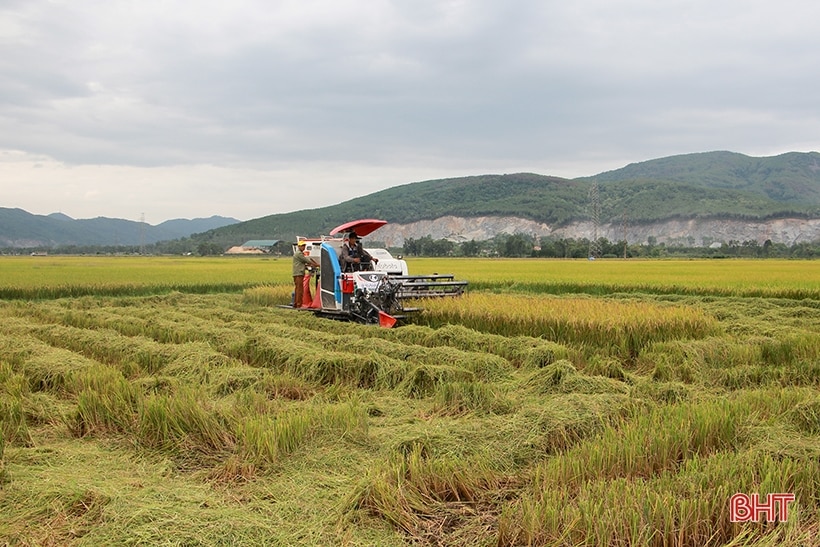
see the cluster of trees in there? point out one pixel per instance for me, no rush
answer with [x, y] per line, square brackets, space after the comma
[522, 245]
[503, 245]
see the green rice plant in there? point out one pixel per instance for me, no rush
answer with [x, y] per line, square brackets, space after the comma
[550, 377]
[662, 391]
[62, 514]
[104, 345]
[131, 353]
[687, 506]
[12, 326]
[17, 349]
[106, 402]
[268, 295]
[261, 350]
[338, 368]
[459, 398]
[349, 418]
[157, 385]
[693, 361]
[233, 379]
[363, 349]
[110, 410]
[746, 377]
[234, 469]
[791, 349]
[605, 365]
[418, 494]
[424, 380]
[281, 386]
[650, 443]
[4, 474]
[515, 349]
[54, 370]
[408, 334]
[167, 327]
[771, 404]
[546, 353]
[13, 391]
[55, 277]
[806, 416]
[27, 277]
[486, 366]
[181, 423]
[805, 372]
[722, 351]
[617, 512]
[198, 361]
[461, 337]
[317, 364]
[801, 373]
[562, 421]
[250, 403]
[562, 377]
[13, 425]
[266, 439]
[12, 384]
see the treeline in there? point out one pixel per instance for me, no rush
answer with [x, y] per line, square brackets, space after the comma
[522, 245]
[503, 245]
[176, 247]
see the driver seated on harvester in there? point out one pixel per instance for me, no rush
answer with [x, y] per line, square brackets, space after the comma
[354, 258]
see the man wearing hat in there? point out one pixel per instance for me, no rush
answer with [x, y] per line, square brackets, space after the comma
[300, 263]
[354, 258]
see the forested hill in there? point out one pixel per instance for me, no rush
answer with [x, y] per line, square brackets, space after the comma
[713, 184]
[789, 178]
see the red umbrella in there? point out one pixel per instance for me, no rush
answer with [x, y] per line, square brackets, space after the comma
[361, 227]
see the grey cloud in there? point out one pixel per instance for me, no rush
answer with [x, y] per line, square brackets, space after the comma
[474, 85]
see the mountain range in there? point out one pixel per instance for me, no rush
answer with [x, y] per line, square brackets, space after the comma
[694, 198]
[699, 198]
[21, 229]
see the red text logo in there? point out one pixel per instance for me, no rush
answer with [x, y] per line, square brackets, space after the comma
[775, 507]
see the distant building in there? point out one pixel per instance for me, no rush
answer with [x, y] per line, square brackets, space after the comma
[253, 247]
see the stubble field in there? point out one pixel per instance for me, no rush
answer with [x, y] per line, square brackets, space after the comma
[169, 401]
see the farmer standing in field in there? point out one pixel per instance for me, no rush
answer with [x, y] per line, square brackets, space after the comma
[300, 263]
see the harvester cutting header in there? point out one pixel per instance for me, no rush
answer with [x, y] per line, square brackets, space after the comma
[365, 285]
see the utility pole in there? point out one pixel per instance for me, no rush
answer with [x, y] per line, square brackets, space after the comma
[142, 233]
[595, 213]
[623, 225]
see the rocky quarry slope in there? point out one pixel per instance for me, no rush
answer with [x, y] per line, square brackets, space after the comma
[689, 232]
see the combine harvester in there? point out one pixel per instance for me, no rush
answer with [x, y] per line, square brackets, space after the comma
[373, 295]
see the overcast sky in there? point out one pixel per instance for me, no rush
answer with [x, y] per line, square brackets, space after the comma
[192, 108]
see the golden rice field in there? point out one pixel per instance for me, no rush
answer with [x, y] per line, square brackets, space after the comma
[170, 401]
